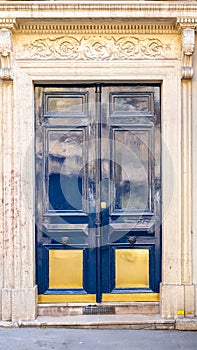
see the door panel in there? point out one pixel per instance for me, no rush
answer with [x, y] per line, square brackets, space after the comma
[131, 231]
[65, 244]
[138, 275]
[98, 215]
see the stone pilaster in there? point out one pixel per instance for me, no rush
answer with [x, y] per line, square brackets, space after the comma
[24, 294]
[178, 300]
[172, 292]
[7, 185]
[194, 175]
[188, 44]
[17, 290]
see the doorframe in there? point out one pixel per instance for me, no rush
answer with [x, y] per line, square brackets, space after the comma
[165, 72]
[132, 295]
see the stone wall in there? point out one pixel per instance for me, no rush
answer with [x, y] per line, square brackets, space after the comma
[119, 41]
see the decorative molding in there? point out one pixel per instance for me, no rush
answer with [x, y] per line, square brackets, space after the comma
[93, 28]
[95, 48]
[186, 23]
[153, 8]
[153, 11]
[187, 27]
[5, 54]
[8, 23]
[188, 41]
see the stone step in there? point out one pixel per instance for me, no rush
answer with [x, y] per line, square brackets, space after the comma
[126, 321]
[65, 309]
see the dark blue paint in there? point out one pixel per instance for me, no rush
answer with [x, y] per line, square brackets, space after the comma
[58, 192]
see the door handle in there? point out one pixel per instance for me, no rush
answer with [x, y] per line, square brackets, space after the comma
[132, 240]
[65, 240]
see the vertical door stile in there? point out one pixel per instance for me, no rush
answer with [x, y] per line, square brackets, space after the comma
[98, 191]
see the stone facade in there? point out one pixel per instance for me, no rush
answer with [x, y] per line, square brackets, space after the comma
[46, 41]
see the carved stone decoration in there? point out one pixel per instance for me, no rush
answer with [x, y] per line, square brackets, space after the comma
[9, 23]
[5, 54]
[95, 48]
[188, 43]
[84, 27]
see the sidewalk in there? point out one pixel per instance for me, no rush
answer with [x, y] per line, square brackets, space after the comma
[85, 339]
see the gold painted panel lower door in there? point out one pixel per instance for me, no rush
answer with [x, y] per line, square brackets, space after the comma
[91, 298]
[130, 297]
[66, 272]
[131, 271]
[132, 268]
[66, 269]
[66, 298]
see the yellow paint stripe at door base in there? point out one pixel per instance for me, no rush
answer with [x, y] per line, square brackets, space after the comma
[131, 297]
[91, 298]
[65, 298]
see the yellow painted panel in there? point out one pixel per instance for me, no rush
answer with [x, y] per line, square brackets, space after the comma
[131, 297]
[91, 298]
[65, 298]
[66, 269]
[132, 268]
[103, 205]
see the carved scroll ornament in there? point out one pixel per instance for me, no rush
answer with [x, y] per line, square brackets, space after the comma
[188, 44]
[95, 48]
[5, 54]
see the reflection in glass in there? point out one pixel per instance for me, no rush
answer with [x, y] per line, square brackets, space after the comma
[131, 170]
[65, 104]
[131, 103]
[64, 169]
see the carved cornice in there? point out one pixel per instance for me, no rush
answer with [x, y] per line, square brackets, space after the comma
[96, 48]
[98, 9]
[103, 5]
[96, 27]
[187, 27]
[5, 54]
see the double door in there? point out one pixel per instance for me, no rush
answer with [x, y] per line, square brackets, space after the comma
[98, 213]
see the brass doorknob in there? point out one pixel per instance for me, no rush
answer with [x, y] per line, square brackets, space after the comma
[64, 240]
[132, 239]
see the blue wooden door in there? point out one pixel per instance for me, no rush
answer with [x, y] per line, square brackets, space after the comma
[98, 215]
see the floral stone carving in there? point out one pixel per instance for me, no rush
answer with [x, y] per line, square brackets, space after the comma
[95, 48]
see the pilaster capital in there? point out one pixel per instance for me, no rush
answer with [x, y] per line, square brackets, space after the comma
[9, 23]
[187, 27]
[5, 54]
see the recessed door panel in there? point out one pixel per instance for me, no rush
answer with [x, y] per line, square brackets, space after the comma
[132, 169]
[132, 268]
[64, 169]
[66, 269]
[98, 214]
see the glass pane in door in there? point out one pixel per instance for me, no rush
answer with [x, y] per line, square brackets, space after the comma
[64, 169]
[131, 169]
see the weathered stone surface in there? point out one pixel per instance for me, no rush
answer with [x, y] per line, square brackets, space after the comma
[158, 46]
